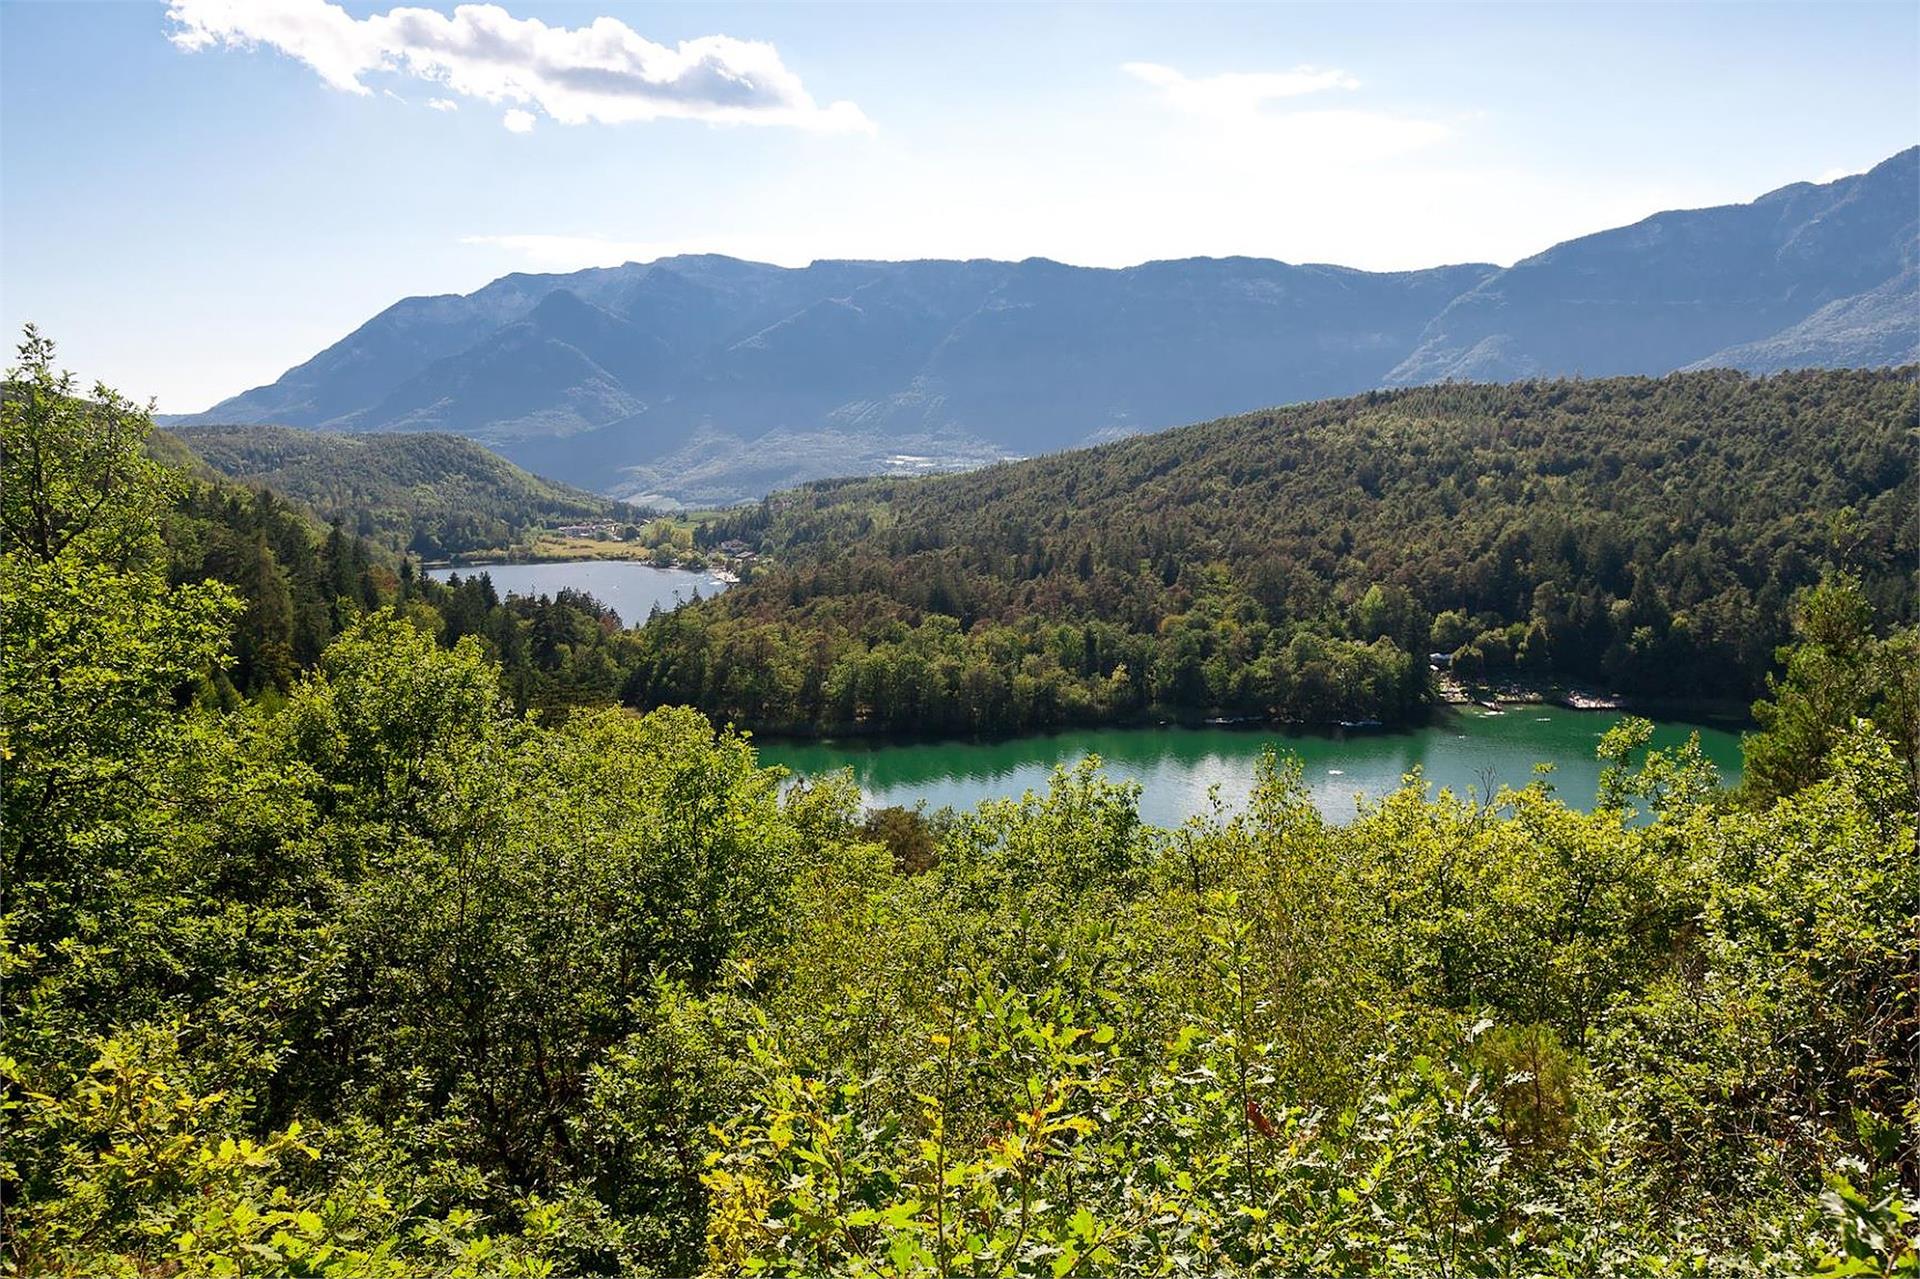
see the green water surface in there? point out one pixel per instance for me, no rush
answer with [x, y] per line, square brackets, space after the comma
[1463, 749]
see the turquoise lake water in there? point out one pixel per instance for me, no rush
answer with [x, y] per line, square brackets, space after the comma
[1463, 749]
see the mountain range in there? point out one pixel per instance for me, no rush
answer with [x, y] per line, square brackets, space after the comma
[710, 379]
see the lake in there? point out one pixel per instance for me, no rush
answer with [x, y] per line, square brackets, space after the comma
[1459, 750]
[629, 588]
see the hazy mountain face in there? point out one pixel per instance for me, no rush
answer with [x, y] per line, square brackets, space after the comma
[711, 379]
[1701, 288]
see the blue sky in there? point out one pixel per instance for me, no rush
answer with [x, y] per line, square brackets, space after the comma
[191, 201]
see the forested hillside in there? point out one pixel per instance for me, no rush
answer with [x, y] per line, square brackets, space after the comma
[430, 495]
[299, 584]
[296, 583]
[1644, 535]
[379, 977]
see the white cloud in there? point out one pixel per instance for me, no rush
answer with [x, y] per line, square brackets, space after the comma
[604, 72]
[518, 121]
[1239, 124]
[1235, 92]
[443, 104]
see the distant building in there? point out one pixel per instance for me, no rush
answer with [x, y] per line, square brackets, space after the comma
[1440, 661]
[734, 546]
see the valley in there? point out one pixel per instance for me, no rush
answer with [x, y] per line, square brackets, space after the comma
[359, 911]
[866, 662]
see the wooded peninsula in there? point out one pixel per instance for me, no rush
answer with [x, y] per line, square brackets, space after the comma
[1310, 564]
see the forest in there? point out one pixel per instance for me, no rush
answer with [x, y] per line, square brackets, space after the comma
[297, 583]
[1645, 536]
[379, 972]
[428, 495]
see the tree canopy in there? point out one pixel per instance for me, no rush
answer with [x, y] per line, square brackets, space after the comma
[427, 494]
[1640, 535]
[380, 976]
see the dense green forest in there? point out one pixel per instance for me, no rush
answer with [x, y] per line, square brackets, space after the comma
[1641, 535]
[430, 495]
[297, 583]
[377, 976]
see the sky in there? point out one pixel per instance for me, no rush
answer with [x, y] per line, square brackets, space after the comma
[197, 195]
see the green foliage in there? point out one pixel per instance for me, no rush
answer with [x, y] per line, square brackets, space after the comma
[427, 494]
[1642, 534]
[80, 488]
[297, 584]
[297, 590]
[382, 976]
[557, 651]
[907, 833]
[1837, 671]
[154, 1174]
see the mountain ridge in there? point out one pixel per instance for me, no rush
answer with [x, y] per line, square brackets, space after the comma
[633, 379]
